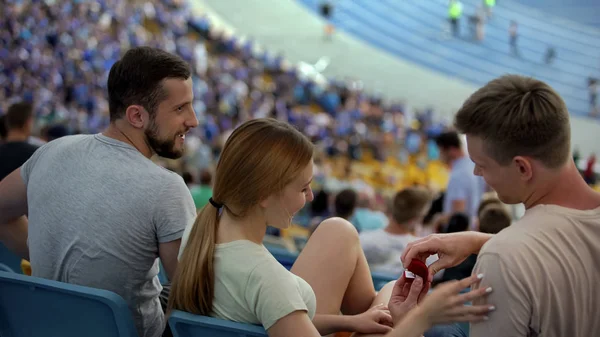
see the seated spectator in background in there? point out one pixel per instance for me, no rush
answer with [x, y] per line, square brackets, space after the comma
[429, 226]
[345, 204]
[383, 247]
[14, 152]
[202, 193]
[589, 175]
[16, 149]
[494, 218]
[263, 178]
[188, 179]
[459, 223]
[55, 132]
[100, 212]
[464, 190]
[365, 218]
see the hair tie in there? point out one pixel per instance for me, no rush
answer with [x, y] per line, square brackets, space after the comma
[215, 204]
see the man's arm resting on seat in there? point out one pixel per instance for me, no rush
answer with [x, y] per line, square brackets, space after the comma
[13, 208]
[168, 252]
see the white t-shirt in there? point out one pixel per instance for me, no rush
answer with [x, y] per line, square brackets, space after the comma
[252, 287]
[383, 251]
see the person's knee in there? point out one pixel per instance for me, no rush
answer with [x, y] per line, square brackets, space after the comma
[339, 228]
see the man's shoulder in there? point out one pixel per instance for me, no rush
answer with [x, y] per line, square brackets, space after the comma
[506, 241]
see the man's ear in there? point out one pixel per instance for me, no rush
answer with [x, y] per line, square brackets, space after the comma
[136, 116]
[523, 167]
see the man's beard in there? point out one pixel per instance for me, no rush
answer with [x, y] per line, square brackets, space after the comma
[162, 147]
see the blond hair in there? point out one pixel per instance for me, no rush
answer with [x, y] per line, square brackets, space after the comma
[259, 159]
[518, 116]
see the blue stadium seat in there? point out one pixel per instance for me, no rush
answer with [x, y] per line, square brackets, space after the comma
[381, 279]
[6, 268]
[285, 257]
[33, 307]
[9, 259]
[184, 324]
[162, 274]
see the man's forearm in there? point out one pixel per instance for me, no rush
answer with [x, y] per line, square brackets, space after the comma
[14, 236]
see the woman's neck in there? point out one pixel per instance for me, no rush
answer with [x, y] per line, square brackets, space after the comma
[251, 228]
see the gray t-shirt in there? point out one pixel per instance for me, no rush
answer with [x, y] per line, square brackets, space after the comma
[97, 211]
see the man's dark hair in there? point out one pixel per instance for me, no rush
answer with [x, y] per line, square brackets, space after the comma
[459, 222]
[3, 130]
[205, 178]
[188, 179]
[137, 79]
[345, 203]
[448, 140]
[493, 219]
[17, 115]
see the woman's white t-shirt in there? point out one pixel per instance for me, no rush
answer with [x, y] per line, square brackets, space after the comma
[252, 287]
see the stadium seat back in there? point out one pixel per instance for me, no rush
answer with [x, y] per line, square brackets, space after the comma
[33, 307]
[184, 324]
[9, 259]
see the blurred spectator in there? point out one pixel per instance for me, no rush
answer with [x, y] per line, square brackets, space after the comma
[593, 92]
[550, 55]
[365, 218]
[326, 8]
[188, 179]
[489, 7]
[576, 156]
[16, 149]
[202, 192]
[455, 9]
[464, 190]
[493, 219]
[459, 222]
[589, 175]
[319, 207]
[513, 33]
[383, 247]
[345, 203]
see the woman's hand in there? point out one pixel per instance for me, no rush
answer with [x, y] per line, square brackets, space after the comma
[376, 320]
[447, 305]
[406, 295]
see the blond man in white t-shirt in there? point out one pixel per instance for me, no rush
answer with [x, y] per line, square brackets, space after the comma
[544, 269]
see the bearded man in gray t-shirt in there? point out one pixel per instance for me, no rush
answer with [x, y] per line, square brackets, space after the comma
[100, 211]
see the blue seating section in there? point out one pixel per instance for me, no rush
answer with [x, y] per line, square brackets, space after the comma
[184, 324]
[9, 259]
[581, 11]
[412, 30]
[34, 307]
